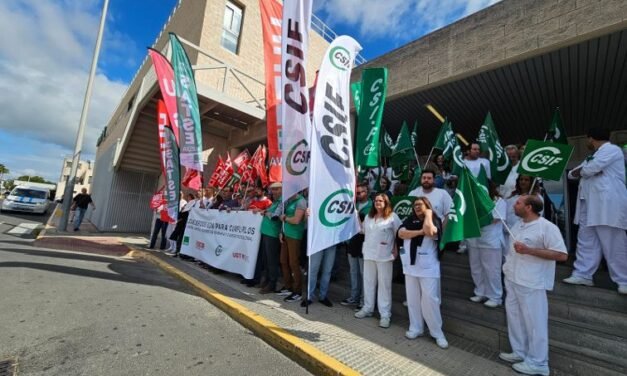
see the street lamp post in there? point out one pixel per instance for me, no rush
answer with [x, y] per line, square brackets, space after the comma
[69, 187]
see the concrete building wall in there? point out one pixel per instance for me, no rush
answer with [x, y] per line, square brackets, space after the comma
[84, 176]
[509, 31]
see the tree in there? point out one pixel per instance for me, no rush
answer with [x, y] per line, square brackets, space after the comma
[3, 170]
[33, 179]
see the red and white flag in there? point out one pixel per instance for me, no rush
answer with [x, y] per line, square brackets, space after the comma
[213, 181]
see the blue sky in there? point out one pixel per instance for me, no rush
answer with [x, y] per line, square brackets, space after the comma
[46, 48]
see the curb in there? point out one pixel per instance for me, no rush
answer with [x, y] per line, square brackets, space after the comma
[48, 224]
[303, 353]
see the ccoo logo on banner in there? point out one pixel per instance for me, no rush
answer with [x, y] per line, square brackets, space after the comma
[334, 218]
[543, 159]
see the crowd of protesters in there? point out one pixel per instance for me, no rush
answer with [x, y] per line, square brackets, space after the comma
[519, 244]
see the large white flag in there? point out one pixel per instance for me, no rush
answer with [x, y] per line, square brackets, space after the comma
[333, 217]
[294, 108]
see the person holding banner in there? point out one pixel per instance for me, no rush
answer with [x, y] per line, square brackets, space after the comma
[420, 233]
[270, 246]
[379, 227]
[529, 272]
[293, 229]
[601, 212]
[486, 256]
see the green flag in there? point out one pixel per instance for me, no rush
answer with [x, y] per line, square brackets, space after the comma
[483, 203]
[403, 206]
[489, 143]
[446, 139]
[556, 129]
[356, 93]
[400, 172]
[414, 134]
[544, 159]
[404, 149]
[387, 145]
[415, 181]
[373, 88]
[463, 222]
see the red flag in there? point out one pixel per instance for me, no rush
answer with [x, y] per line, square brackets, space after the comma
[249, 175]
[165, 77]
[226, 173]
[213, 181]
[192, 179]
[259, 164]
[271, 18]
[242, 159]
[157, 200]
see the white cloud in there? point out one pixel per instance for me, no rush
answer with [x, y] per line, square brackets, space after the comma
[397, 20]
[45, 55]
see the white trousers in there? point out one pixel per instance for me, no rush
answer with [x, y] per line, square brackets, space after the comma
[423, 304]
[528, 323]
[485, 269]
[594, 242]
[378, 278]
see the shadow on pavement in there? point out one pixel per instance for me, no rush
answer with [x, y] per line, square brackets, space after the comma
[124, 270]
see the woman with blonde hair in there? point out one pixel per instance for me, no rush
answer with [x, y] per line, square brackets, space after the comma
[421, 265]
[379, 250]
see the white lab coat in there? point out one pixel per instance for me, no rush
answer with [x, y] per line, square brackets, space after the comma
[602, 187]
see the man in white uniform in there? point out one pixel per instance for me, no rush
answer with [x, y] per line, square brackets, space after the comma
[601, 213]
[529, 271]
[439, 198]
[473, 161]
[506, 189]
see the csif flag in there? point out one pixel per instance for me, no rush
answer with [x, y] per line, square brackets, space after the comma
[294, 110]
[489, 142]
[404, 149]
[387, 145]
[190, 133]
[373, 89]
[463, 222]
[356, 94]
[556, 131]
[169, 162]
[481, 197]
[333, 216]
[544, 159]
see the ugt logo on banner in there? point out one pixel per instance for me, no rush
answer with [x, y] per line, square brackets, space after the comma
[546, 160]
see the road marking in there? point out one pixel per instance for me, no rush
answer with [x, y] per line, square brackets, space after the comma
[24, 228]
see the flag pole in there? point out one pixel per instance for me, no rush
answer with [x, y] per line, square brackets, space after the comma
[428, 158]
[509, 231]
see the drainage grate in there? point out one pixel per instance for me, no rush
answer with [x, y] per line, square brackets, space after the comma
[8, 367]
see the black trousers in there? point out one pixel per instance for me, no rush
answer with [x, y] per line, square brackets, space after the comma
[160, 226]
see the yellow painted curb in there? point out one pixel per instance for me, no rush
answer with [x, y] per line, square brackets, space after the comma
[305, 354]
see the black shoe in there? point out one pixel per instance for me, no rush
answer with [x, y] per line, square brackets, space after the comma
[245, 281]
[305, 303]
[326, 302]
[295, 297]
[75, 229]
[251, 283]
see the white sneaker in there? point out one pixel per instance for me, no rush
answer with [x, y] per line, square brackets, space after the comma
[384, 322]
[491, 303]
[572, 280]
[361, 314]
[477, 299]
[442, 343]
[510, 357]
[412, 335]
[527, 369]
[622, 290]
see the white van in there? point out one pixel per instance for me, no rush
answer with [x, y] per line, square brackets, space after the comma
[27, 199]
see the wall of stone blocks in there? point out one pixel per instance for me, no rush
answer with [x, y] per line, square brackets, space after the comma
[509, 31]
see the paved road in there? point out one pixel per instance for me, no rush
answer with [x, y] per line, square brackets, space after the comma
[17, 225]
[77, 314]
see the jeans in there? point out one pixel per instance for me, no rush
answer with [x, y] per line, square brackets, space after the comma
[160, 226]
[356, 265]
[80, 213]
[326, 258]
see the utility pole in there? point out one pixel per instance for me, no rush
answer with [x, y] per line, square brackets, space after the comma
[69, 187]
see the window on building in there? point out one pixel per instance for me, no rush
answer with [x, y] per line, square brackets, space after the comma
[89, 180]
[232, 26]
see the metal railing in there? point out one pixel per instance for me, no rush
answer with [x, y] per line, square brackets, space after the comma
[329, 35]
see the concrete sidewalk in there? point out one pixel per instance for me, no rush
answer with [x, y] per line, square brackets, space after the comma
[326, 340]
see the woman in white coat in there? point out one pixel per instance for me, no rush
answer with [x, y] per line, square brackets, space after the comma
[421, 266]
[486, 256]
[379, 249]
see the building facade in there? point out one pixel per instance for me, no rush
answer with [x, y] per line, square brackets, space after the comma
[224, 42]
[84, 176]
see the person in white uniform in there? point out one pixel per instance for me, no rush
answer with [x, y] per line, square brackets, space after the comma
[485, 256]
[506, 189]
[440, 200]
[529, 272]
[420, 232]
[601, 213]
[379, 249]
[473, 161]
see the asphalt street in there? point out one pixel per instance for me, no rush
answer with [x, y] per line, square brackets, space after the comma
[82, 314]
[17, 225]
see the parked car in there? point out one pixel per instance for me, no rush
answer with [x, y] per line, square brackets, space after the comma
[27, 199]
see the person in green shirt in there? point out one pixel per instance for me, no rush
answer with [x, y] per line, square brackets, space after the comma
[270, 245]
[293, 229]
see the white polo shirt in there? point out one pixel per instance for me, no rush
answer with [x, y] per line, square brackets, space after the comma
[439, 199]
[531, 271]
[380, 235]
